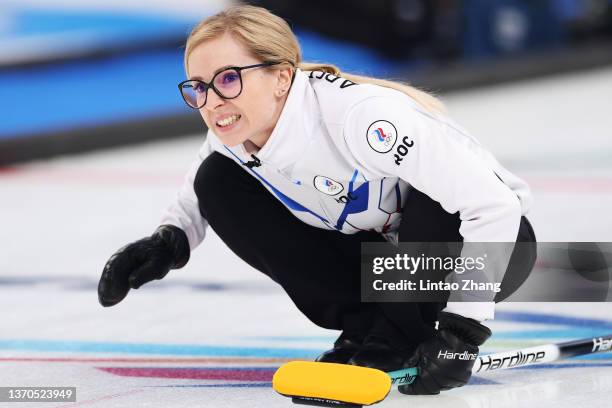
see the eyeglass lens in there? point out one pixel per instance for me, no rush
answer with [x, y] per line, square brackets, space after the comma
[228, 83]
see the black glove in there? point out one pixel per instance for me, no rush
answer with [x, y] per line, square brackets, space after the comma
[446, 360]
[142, 261]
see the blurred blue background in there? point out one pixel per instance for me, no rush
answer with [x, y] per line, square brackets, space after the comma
[81, 75]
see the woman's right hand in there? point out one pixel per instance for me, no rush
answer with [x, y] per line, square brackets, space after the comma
[142, 261]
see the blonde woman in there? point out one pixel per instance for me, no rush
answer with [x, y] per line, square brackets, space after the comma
[301, 165]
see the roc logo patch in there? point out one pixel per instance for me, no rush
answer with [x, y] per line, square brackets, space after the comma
[382, 136]
[327, 185]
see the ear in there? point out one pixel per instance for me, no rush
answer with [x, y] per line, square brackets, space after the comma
[283, 80]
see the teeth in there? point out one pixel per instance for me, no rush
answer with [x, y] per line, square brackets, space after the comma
[228, 121]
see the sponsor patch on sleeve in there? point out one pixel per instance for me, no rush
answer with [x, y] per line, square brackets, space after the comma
[382, 136]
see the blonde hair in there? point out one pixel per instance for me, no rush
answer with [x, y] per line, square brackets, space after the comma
[269, 38]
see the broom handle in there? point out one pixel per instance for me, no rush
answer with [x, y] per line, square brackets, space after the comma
[522, 357]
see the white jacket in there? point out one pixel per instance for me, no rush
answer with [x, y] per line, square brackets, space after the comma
[344, 156]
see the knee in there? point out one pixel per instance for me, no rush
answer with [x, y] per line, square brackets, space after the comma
[214, 184]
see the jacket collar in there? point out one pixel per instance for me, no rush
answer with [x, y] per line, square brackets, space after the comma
[295, 127]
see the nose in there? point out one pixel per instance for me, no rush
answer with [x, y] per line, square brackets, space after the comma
[213, 101]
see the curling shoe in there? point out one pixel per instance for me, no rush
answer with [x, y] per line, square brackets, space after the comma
[344, 348]
[377, 352]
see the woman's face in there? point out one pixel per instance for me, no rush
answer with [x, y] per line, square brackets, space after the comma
[253, 114]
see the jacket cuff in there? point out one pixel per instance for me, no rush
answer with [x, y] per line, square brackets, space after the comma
[479, 311]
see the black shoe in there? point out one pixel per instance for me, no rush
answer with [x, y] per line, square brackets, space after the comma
[344, 348]
[378, 353]
[385, 348]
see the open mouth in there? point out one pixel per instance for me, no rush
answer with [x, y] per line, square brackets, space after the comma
[230, 120]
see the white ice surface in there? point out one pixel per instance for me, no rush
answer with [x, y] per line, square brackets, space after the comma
[61, 219]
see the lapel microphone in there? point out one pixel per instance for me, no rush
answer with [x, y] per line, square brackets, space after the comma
[253, 163]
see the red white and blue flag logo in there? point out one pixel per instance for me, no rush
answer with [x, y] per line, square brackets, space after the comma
[327, 185]
[381, 136]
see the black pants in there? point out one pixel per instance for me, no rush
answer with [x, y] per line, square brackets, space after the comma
[318, 268]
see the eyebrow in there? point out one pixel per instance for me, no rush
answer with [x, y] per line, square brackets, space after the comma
[223, 68]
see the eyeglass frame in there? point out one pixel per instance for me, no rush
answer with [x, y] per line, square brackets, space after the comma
[211, 84]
